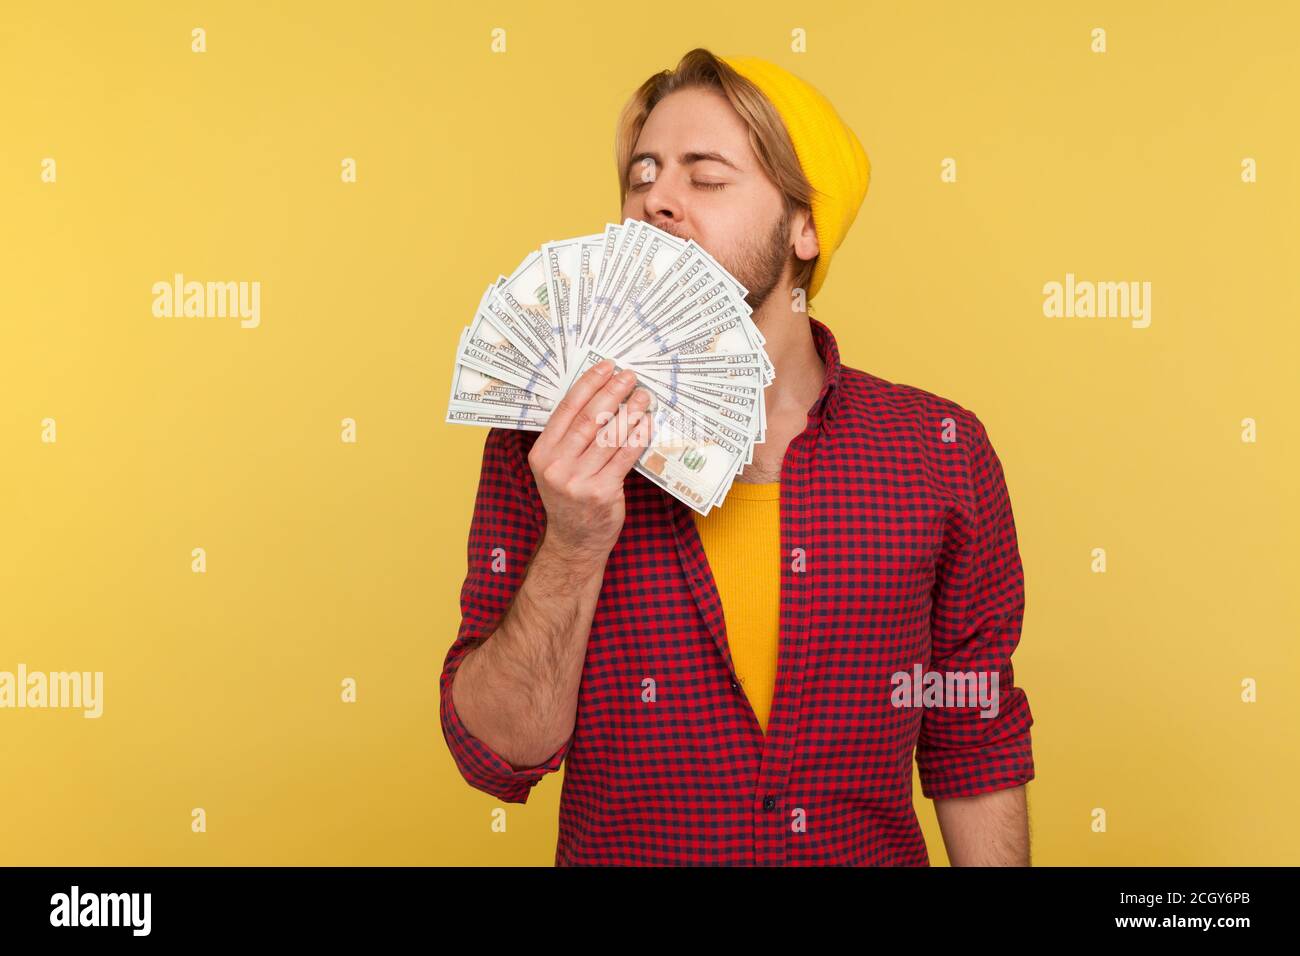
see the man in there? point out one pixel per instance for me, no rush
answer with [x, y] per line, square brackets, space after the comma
[738, 688]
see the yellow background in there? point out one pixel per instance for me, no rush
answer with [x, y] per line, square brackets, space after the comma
[329, 560]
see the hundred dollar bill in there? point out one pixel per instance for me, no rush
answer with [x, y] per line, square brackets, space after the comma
[472, 389]
[565, 263]
[658, 304]
[486, 347]
[683, 458]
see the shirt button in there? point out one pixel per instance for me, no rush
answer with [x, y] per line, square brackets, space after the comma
[735, 686]
[769, 802]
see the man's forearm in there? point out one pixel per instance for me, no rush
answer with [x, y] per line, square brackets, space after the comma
[517, 691]
[991, 829]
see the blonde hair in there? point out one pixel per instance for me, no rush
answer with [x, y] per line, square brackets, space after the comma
[701, 69]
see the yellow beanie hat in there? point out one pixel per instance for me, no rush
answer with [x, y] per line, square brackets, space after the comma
[831, 156]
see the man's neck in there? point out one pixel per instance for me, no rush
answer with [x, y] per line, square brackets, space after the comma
[800, 374]
[800, 371]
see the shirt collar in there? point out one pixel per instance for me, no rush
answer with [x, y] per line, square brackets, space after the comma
[829, 351]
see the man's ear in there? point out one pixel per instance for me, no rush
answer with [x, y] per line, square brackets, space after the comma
[805, 238]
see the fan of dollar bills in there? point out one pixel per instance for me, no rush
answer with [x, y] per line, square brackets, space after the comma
[656, 304]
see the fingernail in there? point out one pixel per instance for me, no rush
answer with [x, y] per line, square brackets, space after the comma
[605, 366]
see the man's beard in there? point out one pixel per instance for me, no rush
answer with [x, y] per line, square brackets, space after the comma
[760, 262]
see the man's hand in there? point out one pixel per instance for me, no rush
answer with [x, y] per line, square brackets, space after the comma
[989, 830]
[579, 462]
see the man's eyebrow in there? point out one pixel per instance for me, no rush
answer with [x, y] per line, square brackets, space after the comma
[685, 159]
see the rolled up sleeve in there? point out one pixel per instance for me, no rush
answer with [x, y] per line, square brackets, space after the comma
[504, 531]
[977, 612]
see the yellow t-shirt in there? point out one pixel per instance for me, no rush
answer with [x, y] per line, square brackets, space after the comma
[742, 539]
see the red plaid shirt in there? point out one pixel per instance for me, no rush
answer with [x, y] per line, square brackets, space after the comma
[898, 549]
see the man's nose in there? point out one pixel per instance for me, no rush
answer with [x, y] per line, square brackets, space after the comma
[663, 207]
[667, 220]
